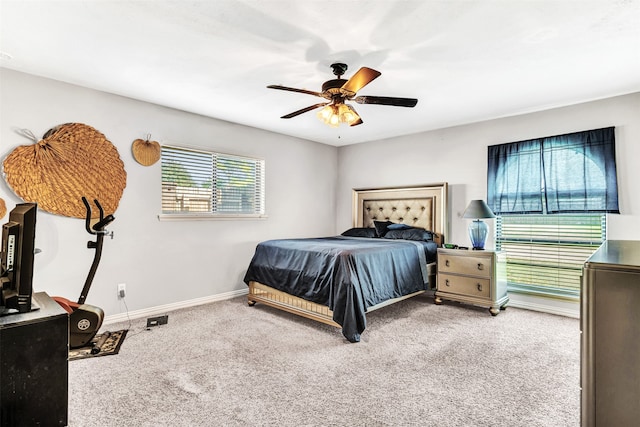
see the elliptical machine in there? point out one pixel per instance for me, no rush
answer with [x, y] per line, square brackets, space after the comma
[84, 319]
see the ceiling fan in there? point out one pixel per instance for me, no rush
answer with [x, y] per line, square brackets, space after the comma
[339, 90]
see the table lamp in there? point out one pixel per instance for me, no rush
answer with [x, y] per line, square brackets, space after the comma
[478, 209]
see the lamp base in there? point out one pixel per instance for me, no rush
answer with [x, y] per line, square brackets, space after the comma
[478, 234]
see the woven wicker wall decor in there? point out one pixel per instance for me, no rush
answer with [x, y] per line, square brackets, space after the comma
[3, 208]
[72, 160]
[145, 152]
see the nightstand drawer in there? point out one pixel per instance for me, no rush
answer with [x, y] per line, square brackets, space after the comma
[468, 286]
[465, 265]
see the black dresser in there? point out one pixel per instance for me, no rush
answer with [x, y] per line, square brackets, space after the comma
[34, 371]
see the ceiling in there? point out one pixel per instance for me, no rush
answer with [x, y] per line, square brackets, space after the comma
[465, 61]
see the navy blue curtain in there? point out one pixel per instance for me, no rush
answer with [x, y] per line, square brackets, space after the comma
[574, 172]
[515, 177]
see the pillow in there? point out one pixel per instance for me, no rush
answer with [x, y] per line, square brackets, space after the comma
[360, 232]
[398, 227]
[413, 233]
[381, 227]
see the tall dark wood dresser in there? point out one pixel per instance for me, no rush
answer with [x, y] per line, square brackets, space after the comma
[610, 336]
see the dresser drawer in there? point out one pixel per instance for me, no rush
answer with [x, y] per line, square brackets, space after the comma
[468, 286]
[466, 265]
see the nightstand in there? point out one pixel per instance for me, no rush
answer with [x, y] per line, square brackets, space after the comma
[472, 277]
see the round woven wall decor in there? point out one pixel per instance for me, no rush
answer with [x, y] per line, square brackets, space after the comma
[71, 161]
[145, 152]
[3, 208]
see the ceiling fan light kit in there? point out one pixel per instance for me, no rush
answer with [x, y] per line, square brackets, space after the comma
[334, 114]
[337, 91]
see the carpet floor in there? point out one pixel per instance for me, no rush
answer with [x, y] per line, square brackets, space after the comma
[418, 364]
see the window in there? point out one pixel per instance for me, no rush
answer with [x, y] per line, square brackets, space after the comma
[207, 183]
[551, 196]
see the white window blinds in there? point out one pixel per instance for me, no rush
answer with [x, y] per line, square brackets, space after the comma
[545, 253]
[202, 182]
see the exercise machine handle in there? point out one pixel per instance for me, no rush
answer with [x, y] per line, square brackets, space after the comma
[87, 221]
[98, 229]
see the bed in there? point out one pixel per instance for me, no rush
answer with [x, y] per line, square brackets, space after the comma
[389, 255]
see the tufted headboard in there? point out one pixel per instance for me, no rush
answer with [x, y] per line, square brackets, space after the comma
[423, 206]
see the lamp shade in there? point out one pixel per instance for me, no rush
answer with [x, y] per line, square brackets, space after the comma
[478, 209]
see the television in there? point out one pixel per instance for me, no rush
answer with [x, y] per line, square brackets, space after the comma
[16, 260]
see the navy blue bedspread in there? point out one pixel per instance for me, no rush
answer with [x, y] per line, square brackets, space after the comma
[347, 274]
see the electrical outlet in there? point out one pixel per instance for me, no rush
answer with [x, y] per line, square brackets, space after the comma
[155, 321]
[122, 290]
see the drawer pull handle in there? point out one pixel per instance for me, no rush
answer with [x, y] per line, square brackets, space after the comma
[480, 266]
[446, 282]
[446, 263]
[479, 287]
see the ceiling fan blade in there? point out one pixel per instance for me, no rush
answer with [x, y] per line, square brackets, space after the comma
[360, 79]
[293, 89]
[304, 110]
[386, 100]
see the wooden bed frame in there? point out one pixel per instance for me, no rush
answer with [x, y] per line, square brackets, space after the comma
[423, 206]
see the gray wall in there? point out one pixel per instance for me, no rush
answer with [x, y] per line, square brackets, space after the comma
[162, 262]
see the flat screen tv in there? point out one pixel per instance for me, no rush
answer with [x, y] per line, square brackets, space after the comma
[16, 260]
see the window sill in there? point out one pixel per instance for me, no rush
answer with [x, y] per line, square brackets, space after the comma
[540, 291]
[545, 305]
[210, 217]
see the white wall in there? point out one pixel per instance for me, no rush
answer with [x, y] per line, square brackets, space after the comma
[162, 262]
[458, 155]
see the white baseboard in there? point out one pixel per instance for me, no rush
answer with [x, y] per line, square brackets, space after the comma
[163, 309]
[545, 305]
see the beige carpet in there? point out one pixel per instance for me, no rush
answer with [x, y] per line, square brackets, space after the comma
[418, 364]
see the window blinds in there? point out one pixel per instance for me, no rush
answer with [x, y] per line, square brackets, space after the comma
[207, 182]
[545, 253]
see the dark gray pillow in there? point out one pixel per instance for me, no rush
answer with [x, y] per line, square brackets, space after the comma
[360, 232]
[381, 227]
[413, 233]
